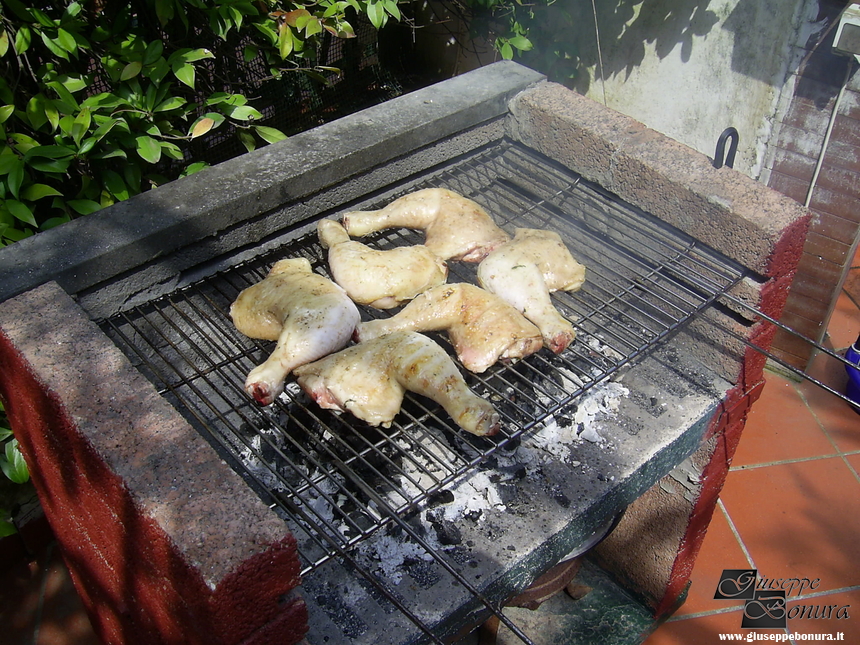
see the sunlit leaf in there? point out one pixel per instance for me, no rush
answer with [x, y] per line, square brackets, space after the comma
[202, 126]
[185, 73]
[66, 41]
[170, 104]
[243, 113]
[269, 135]
[148, 149]
[54, 48]
[23, 38]
[5, 112]
[4, 43]
[14, 467]
[81, 125]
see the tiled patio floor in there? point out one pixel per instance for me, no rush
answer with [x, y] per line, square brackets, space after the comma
[790, 508]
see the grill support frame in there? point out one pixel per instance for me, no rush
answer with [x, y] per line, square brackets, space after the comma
[148, 246]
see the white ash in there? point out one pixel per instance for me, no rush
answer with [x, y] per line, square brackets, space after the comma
[258, 467]
[475, 493]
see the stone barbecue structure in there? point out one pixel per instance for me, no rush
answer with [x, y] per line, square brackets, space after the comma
[167, 542]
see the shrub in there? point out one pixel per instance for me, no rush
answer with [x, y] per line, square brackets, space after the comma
[101, 100]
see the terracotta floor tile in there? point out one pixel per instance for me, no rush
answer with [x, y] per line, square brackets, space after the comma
[839, 420]
[720, 550]
[780, 427]
[849, 627]
[703, 630]
[844, 325]
[799, 519]
[64, 621]
[19, 602]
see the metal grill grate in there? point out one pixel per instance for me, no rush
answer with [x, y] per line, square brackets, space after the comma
[336, 481]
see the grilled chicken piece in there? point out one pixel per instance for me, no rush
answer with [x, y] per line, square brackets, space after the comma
[455, 227]
[381, 279]
[309, 315]
[482, 327]
[370, 379]
[525, 271]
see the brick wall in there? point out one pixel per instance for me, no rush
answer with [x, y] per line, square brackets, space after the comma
[834, 200]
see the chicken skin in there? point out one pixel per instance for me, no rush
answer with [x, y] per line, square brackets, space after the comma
[456, 228]
[482, 327]
[309, 315]
[370, 380]
[525, 271]
[381, 279]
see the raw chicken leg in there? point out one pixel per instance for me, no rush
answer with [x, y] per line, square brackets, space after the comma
[309, 315]
[370, 379]
[455, 227]
[525, 271]
[381, 279]
[482, 327]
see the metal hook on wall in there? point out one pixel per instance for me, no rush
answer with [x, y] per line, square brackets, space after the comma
[720, 156]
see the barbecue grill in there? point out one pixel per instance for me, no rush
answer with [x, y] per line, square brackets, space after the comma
[418, 532]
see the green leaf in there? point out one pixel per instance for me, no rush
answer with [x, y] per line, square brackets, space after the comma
[164, 10]
[269, 135]
[53, 47]
[51, 222]
[66, 41]
[15, 178]
[193, 168]
[157, 71]
[285, 41]
[131, 70]
[153, 52]
[376, 14]
[35, 111]
[84, 206]
[243, 112]
[171, 150]
[170, 104]
[148, 149]
[7, 162]
[20, 211]
[51, 152]
[35, 192]
[4, 43]
[521, 42]
[7, 528]
[506, 51]
[247, 140]
[185, 73]
[23, 39]
[115, 184]
[14, 466]
[81, 125]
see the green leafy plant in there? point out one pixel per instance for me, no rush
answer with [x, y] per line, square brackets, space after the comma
[12, 466]
[100, 101]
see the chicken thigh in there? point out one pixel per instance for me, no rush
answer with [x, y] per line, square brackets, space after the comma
[455, 227]
[370, 379]
[381, 279]
[309, 315]
[525, 271]
[482, 327]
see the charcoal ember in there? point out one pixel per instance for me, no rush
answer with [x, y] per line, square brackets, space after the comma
[447, 531]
